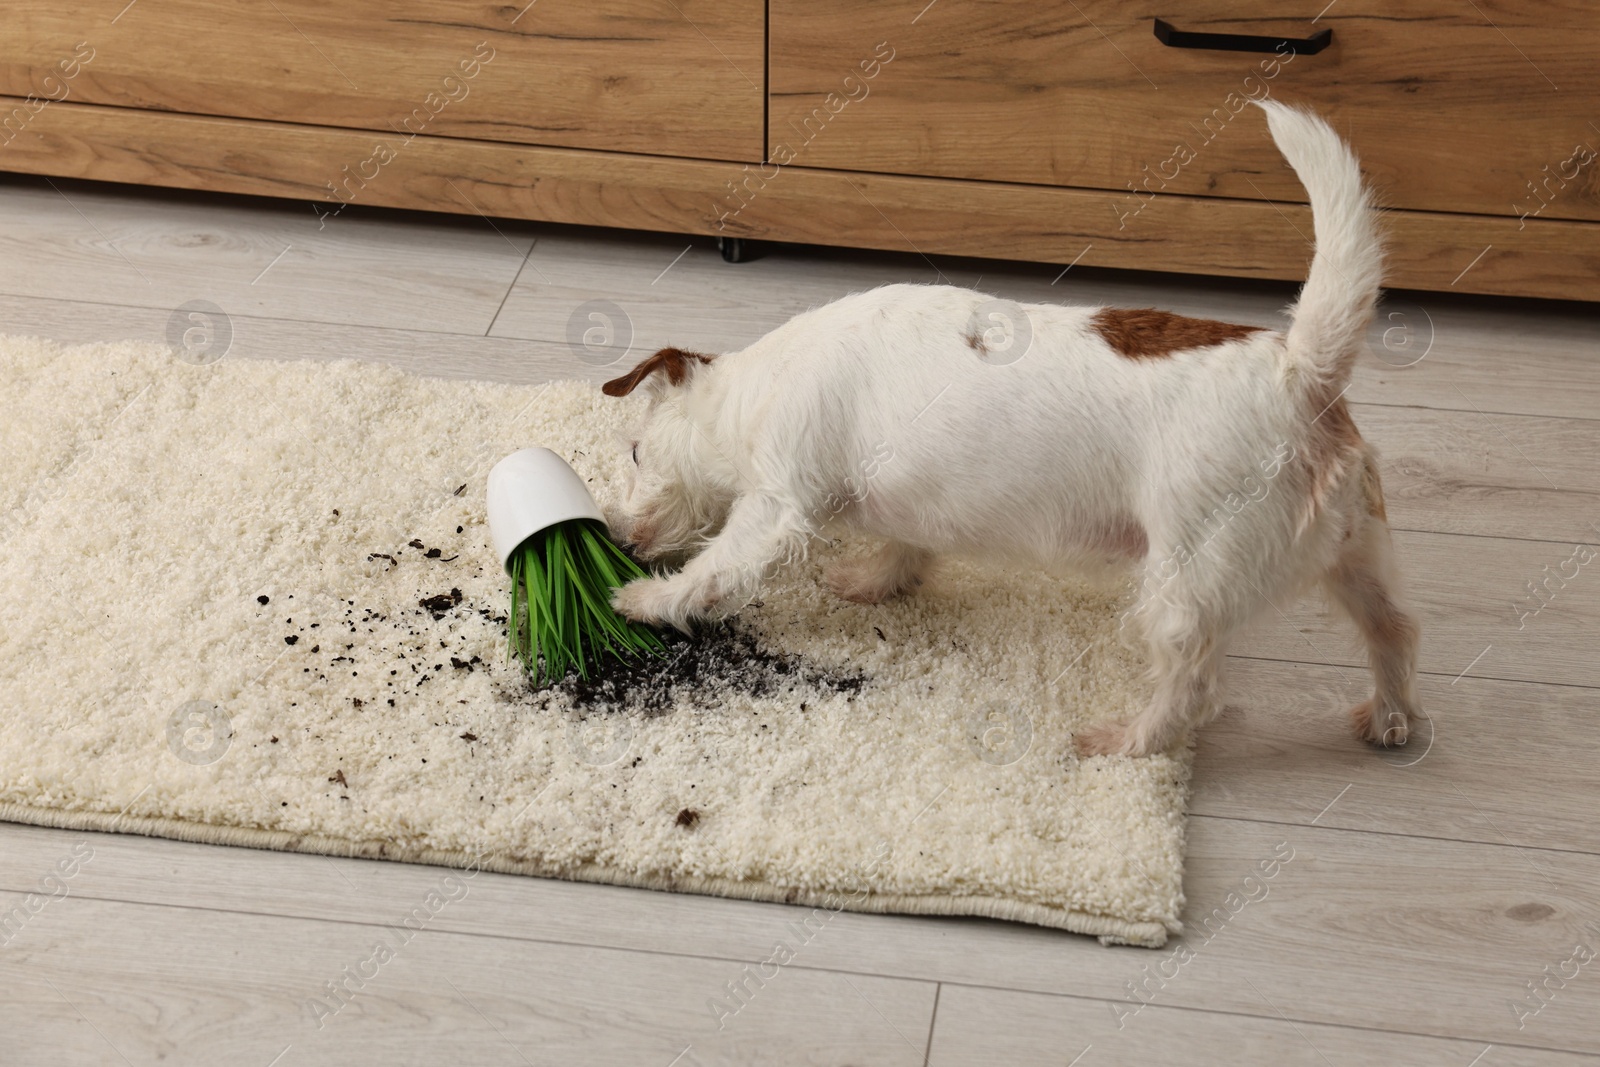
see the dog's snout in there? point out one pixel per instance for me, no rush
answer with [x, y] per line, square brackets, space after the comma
[632, 539]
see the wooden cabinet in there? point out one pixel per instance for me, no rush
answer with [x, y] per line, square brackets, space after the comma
[669, 77]
[1452, 106]
[1056, 130]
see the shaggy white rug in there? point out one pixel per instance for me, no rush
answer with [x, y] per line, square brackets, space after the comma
[253, 603]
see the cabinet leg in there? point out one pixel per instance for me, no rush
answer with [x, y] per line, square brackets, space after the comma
[733, 249]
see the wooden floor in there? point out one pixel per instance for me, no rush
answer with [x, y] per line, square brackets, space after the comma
[1429, 890]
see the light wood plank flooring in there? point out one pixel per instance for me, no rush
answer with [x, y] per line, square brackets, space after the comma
[1428, 887]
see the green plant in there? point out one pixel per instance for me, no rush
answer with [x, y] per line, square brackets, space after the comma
[561, 616]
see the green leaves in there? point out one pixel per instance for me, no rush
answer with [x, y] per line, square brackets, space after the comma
[561, 615]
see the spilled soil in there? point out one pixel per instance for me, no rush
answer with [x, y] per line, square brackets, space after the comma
[402, 653]
[719, 660]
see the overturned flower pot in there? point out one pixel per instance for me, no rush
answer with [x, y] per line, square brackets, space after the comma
[552, 539]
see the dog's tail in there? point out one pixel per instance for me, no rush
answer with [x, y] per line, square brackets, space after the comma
[1330, 319]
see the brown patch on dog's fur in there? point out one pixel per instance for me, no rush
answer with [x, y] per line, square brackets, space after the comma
[674, 361]
[975, 343]
[1372, 489]
[1147, 333]
[1334, 449]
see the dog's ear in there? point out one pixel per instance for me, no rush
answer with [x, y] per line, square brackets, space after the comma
[677, 364]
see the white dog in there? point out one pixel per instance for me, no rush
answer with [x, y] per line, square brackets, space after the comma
[1219, 460]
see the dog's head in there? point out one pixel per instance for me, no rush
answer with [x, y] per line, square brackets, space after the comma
[681, 486]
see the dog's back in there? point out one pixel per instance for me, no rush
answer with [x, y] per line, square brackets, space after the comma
[1125, 415]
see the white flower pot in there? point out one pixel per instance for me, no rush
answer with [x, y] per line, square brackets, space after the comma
[530, 490]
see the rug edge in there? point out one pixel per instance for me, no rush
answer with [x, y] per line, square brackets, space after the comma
[1108, 930]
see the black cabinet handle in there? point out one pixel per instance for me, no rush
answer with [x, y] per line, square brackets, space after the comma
[1241, 42]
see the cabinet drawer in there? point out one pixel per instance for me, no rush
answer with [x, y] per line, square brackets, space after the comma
[1481, 107]
[672, 78]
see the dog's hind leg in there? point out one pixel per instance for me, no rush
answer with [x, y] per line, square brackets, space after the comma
[1195, 596]
[762, 533]
[1363, 582]
[1186, 653]
[893, 569]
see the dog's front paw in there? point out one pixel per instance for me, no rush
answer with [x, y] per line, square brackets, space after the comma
[1106, 739]
[642, 600]
[662, 602]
